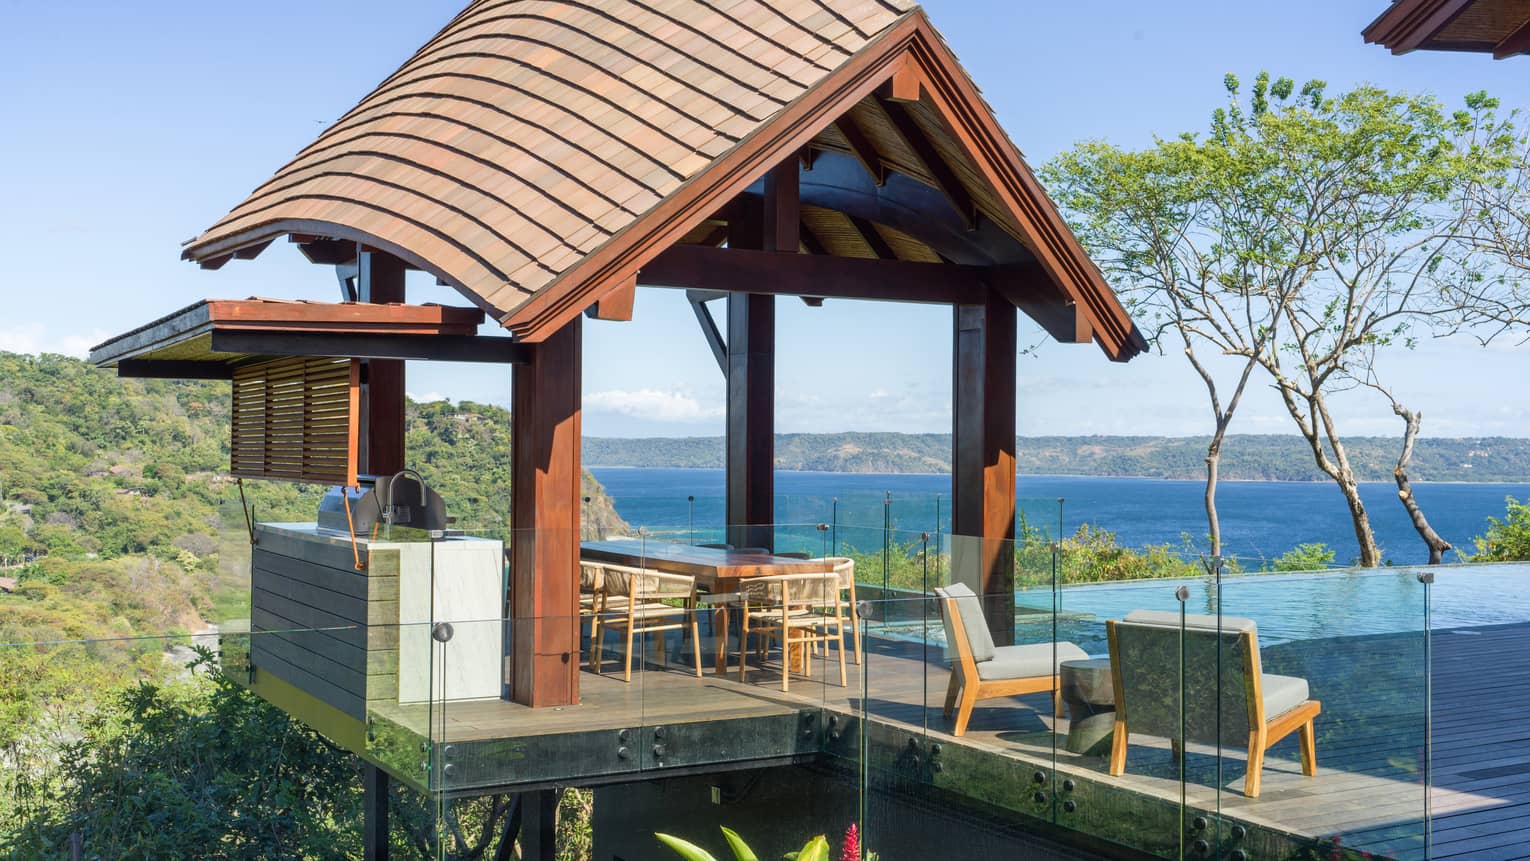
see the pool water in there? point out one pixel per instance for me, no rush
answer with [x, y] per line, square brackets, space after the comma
[1287, 607]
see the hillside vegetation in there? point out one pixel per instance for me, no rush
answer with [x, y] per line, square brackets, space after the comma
[1246, 458]
[113, 494]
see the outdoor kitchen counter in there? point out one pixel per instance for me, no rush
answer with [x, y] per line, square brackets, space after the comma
[352, 624]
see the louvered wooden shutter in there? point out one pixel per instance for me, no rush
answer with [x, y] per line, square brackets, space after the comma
[296, 420]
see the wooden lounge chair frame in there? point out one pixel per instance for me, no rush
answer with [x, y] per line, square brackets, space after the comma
[1262, 733]
[966, 688]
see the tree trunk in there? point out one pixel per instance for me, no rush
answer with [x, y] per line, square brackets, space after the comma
[1437, 545]
[1314, 430]
[1370, 555]
[1213, 468]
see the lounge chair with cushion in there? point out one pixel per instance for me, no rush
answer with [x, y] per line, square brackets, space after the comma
[1166, 685]
[980, 670]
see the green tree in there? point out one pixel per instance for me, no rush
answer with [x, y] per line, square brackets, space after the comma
[1297, 232]
[1507, 540]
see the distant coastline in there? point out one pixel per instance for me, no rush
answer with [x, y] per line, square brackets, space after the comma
[1246, 458]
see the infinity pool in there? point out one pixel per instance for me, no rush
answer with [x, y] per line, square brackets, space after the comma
[1287, 607]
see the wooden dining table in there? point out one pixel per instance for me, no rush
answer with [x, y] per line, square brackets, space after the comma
[717, 571]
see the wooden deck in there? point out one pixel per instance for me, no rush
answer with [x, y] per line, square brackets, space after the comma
[1368, 794]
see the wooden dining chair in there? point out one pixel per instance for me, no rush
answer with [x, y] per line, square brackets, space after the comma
[799, 611]
[634, 600]
[844, 568]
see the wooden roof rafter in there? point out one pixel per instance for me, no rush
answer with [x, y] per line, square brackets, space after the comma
[945, 178]
[862, 147]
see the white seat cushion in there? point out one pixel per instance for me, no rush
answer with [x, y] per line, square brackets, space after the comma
[1282, 694]
[1029, 661]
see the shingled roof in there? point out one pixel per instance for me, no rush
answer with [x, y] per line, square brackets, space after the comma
[1498, 27]
[536, 152]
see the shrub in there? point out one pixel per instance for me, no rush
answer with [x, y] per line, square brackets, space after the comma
[1507, 540]
[1303, 557]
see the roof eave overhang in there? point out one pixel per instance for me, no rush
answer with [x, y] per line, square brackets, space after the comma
[1408, 25]
[247, 243]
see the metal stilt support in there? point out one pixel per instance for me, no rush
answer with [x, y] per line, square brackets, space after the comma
[539, 825]
[375, 813]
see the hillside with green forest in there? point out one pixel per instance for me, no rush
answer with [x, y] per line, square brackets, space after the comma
[1245, 457]
[115, 507]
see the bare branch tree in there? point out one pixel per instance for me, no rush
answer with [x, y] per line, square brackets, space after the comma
[1300, 232]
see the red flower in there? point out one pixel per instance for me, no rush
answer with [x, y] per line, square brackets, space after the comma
[852, 850]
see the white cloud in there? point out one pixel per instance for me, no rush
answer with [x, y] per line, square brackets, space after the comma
[428, 398]
[34, 338]
[653, 405]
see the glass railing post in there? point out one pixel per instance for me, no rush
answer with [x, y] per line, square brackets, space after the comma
[886, 540]
[1427, 766]
[834, 524]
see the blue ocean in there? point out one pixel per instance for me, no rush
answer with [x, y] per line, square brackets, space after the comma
[1260, 520]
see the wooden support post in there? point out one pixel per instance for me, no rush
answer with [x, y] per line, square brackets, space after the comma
[771, 224]
[374, 813]
[545, 487]
[983, 458]
[539, 825]
[380, 280]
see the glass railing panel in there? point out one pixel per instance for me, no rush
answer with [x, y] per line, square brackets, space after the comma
[1479, 648]
[885, 744]
[1118, 789]
[1343, 675]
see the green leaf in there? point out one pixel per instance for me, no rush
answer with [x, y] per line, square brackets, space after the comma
[687, 850]
[741, 850]
[816, 849]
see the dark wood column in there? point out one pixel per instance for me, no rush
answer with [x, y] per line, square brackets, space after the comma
[545, 476]
[983, 459]
[380, 280]
[770, 223]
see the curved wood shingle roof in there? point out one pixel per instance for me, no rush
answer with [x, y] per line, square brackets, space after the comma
[529, 132]
[535, 152]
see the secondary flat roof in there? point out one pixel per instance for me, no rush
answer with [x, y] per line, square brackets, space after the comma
[189, 335]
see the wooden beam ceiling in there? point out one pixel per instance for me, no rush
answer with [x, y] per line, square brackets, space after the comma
[868, 231]
[1517, 42]
[810, 241]
[329, 252]
[945, 178]
[863, 149]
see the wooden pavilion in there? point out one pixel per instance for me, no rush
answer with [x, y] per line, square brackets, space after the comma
[547, 158]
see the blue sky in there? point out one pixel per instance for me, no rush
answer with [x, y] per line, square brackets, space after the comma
[129, 128]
